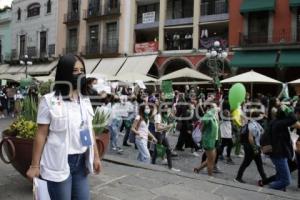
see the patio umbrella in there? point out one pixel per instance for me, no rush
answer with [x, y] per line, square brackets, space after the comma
[186, 73]
[132, 77]
[295, 82]
[251, 77]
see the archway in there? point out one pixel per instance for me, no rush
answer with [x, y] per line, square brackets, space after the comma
[153, 72]
[174, 65]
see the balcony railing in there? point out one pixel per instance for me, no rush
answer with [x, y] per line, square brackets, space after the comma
[261, 39]
[112, 9]
[92, 13]
[110, 48]
[71, 49]
[92, 48]
[71, 18]
[214, 8]
[179, 44]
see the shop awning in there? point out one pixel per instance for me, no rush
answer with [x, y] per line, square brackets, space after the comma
[91, 64]
[3, 68]
[43, 69]
[15, 69]
[257, 5]
[138, 64]
[254, 59]
[109, 66]
[294, 3]
[289, 58]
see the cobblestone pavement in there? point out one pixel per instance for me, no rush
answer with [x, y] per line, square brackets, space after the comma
[138, 181]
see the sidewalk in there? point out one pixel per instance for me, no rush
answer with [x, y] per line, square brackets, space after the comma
[125, 180]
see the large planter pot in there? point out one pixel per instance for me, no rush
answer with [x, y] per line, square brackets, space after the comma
[102, 141]
[18, 152]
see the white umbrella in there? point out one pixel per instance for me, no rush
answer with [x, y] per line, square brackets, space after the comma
[16, 77]
[251, 77]
[295, 82]
[186, 73]
[132, 77]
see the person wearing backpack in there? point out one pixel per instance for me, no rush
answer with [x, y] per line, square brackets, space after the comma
[250, 137]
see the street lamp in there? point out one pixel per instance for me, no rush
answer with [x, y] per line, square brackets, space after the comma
[215, 53]
[26, 62]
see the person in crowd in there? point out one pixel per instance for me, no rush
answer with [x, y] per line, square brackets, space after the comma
[209, 135]
[18, 97]
[64, 149]
[161, 129]
[251, 144]
[281, 142]
[142, 133]
[129, 119]
[3, 104]
[115, 123]
[92, 91]
[226, 137]
[10, 93]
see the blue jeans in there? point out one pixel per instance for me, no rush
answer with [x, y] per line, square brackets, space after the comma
[144, 155]
[76, 187]
[114, 129]
[283, 175]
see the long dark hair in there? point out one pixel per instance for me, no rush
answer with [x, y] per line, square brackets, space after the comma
[64, 72]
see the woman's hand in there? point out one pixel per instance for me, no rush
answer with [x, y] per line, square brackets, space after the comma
[97, 165]
[32, 172]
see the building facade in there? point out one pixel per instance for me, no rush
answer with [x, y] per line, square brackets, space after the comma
[5, 35]
[34, 29]
[179, 31]
[90, 28]
[265, 36]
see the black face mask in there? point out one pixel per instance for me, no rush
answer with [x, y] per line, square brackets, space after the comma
[75, 79]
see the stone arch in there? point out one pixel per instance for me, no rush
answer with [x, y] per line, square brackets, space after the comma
[175, 63]
[153, 72]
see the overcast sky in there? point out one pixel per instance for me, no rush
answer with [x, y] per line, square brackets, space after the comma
[5, 3]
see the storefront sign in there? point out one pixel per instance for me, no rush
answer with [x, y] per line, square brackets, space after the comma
[148, 17]
[146, 47]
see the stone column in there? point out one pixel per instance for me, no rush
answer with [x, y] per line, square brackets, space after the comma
[196, 20]
[162, 20]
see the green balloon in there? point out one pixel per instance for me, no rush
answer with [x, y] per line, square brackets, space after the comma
[237, 94]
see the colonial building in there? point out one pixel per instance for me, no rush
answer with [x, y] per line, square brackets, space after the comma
[34, 29]
[5, 34]
[265, 36]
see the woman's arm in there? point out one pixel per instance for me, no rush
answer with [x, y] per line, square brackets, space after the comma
[134, 127]
[97, 162]
[38, 146]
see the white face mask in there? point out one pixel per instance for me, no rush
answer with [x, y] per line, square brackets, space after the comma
[147, 111]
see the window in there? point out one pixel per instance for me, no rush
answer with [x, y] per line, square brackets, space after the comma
[33, 10]
[75, 6]
[49, 6]
[147, 8]
[113, 4]
[112, 36]
[182, 8]
[22, 45]
[94, 7]
[72, 43]
[258, 27]
[93, 39]
[43, 43]
[19, 14]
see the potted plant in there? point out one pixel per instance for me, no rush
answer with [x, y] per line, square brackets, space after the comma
[100, 123]
[17, 141]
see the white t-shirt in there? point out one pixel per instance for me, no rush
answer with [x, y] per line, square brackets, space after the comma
[226, 129]
[143, 128]
[73, 123]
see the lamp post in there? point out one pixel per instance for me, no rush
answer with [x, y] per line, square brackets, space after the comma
[215, 53]
[26, 62]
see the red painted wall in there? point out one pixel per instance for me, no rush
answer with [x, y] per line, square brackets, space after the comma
[235, 22]
[282, 21]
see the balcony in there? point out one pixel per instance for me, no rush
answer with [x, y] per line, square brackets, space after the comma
[92, 14]
[112, 10]
[92, 49]
[71, 18]
[207, 43]
[258, 39]
[214, 11]
[110, 48]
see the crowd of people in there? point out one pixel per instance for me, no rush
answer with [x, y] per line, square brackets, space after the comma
[148, 119]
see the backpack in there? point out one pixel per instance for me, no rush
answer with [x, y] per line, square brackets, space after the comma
[244, 134]
[265, 141]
